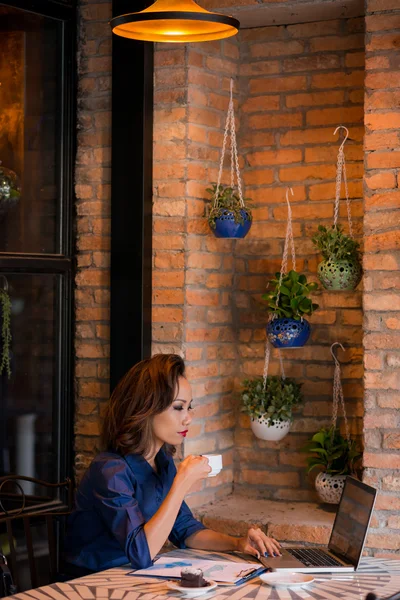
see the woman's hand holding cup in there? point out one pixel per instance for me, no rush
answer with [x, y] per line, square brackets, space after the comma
[192, 469]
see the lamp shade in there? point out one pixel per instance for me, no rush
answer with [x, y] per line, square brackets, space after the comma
[175, 21]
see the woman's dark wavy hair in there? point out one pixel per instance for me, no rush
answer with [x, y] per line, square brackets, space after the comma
[146, 390]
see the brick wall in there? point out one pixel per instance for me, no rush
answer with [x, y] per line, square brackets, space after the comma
[299, 83]
[207, 291]
[193, 272]
[381, 264]
[307, 79]
[92, 226]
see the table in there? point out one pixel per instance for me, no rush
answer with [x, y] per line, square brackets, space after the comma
[381, 576]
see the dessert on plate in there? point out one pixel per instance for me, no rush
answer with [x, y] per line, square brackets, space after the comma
[193, 578]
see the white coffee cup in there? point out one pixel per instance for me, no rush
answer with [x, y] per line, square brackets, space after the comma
[215, 462]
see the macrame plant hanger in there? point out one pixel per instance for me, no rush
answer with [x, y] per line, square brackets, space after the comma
[337, 396]
[289, 243]
[230, 129]
[341, 174]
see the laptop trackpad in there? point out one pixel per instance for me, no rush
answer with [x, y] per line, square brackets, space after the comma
[286, 561]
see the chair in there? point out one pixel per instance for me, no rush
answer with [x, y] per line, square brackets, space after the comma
[31, 525]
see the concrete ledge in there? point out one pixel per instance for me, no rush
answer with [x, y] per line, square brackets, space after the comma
[299, 522]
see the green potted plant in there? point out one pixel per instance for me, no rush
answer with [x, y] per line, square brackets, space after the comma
[5, 317]
[270, 409]
[228, 217]
[341, 266]
[336, 456]
[288, 301]
[10, 190]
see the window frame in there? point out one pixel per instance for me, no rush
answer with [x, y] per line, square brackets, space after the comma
[59, 264]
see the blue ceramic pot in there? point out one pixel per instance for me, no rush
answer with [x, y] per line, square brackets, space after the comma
[225, 226]
[288, 333]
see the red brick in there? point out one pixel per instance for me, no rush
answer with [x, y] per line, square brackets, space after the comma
[311, 63]
[336, 43]
[382, 180]
[315, 99]
[307, 172]
[382, 100]
[333, 116]
[338, 79]
[167, 315]
[276, 49]
[383, 41]
[267, 85]
[355, 59]
[280, 121]
[273, 157]
[259, 68]
[261, 103]
[385, 160]
[381, 141]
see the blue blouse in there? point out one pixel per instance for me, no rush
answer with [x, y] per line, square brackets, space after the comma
[115, 499]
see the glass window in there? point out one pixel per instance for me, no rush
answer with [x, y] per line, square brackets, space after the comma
[30, 126]
[27, 392]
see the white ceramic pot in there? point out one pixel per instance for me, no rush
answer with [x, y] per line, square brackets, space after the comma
[329, 487]
[273, 432]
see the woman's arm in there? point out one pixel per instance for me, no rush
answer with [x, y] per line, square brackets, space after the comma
[158, 528]
[255, 542]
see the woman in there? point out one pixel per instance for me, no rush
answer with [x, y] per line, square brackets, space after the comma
[131, 499]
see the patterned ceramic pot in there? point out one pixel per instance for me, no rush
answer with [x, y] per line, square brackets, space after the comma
[288, 333]
[340, 274]
[225, 226]
[273, 433]
[329, 487]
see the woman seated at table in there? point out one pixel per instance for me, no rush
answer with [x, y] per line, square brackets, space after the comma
[131, 499]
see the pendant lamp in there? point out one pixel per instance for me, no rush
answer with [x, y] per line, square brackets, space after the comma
[175, 21]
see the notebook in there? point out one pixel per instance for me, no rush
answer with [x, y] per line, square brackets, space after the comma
[223, 572]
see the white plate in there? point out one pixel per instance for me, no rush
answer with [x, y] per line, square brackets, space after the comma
[172, 585]
[286, 579]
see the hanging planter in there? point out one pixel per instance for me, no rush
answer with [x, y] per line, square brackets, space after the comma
[288, 301]
[269, 402]
[288, 333]
[329, 487]
[10, 191]
[229, 217]
[5, 336]
[335, 454]
[341, 268]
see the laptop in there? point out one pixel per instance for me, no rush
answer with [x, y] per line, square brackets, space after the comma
[346, 543]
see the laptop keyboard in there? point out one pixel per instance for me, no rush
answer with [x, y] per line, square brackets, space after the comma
[314, 557]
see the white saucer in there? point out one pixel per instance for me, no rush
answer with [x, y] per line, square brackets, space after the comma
[286, 579]
[188, 592]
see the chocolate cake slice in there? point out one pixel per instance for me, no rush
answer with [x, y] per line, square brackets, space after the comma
[193, 578]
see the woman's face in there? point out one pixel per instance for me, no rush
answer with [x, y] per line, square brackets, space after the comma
[171, 426]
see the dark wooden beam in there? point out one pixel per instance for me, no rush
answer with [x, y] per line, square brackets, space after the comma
[131, 198]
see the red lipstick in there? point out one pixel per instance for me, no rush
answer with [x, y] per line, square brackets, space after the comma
[183, 433]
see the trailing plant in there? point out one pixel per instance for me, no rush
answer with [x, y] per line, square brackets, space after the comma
[290, 299]
[334, 244]
[332, 452]
[227, 200]
[5, 364]
[275, 401]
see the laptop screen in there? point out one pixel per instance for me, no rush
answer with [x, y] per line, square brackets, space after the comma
[352, 520]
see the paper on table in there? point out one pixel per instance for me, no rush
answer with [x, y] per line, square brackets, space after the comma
[218, 570]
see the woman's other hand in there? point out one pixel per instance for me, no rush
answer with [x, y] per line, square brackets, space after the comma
[191, 470]
[257, 543]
